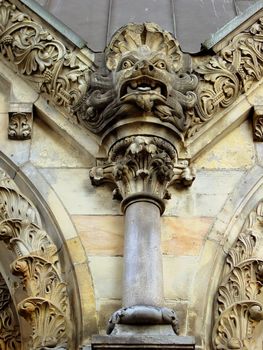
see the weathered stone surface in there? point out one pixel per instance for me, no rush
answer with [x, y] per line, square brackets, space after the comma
[143, 342]
[107, 276]
[50, 150]
[86, 300]
[205, 197]
[235, 151]
[184, 236]
[105, 308]
[80, 197]
[178, 274]
[100, 235]
[103, 235]
[50, 197]
[76, 250]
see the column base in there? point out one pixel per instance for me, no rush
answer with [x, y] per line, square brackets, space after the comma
[144, 315]
[138, 341]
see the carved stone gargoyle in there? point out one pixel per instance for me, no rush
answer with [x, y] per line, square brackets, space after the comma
[148, 75]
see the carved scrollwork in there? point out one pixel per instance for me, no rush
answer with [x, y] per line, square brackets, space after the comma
[142, 164]
[225, 76]
[53, 68]
[10, 338]
[46, 306]
[218, 89]
[238, 306]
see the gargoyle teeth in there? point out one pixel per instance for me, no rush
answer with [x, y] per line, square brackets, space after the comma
[144, 85]
[144, 88]
[134, 84]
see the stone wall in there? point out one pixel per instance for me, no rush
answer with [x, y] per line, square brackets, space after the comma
[92, 224]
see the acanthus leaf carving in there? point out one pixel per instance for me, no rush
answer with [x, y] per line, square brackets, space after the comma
[50, 65]
[47, 321]
[142, 164]
[10, 337]
[238, 306]
[225, 76]
[37, 263]
[20, 126]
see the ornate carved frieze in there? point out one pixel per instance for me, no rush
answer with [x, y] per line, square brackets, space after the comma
[46, 306]
[141, 164]
[147, 73]
[10, 338]
[228, 74]
[148, 76]
[238, 304]
[53, 67]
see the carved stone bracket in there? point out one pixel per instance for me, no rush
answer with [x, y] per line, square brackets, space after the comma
[258, 123]
[20, 121]
[238, 305]
[46, 306]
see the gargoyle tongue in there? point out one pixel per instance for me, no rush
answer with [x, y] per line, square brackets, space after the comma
[145, 102]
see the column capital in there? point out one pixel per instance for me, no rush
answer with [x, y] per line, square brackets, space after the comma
[143, 166]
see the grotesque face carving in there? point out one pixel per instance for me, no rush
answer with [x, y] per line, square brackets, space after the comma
[144, 78]
[147, 77]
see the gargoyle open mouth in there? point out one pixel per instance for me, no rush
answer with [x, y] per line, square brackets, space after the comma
[143, 85]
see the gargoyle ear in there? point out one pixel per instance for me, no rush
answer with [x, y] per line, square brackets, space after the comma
[112, 61]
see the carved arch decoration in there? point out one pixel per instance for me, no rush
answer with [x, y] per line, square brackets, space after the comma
[10, 337]
[238, 308]
[39, 292]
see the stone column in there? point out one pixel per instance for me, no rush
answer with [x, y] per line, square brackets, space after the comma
[143, 271]
[142, 167]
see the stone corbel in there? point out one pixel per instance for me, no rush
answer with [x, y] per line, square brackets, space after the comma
[20, 121]
[258, 123]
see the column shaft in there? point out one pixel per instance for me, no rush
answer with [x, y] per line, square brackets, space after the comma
[143, 271]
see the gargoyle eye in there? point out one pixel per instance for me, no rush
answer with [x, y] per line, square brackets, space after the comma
[126, 64]
[160, 64]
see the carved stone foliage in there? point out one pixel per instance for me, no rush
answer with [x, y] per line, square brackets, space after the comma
[46, 306]
[148, 76]
[20, 126]
[10, 338]
[258, 123]
[141, 164]
[238, 304]
[226, 75]
[53, 67]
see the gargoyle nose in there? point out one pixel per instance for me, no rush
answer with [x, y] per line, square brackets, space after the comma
[144, 65]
